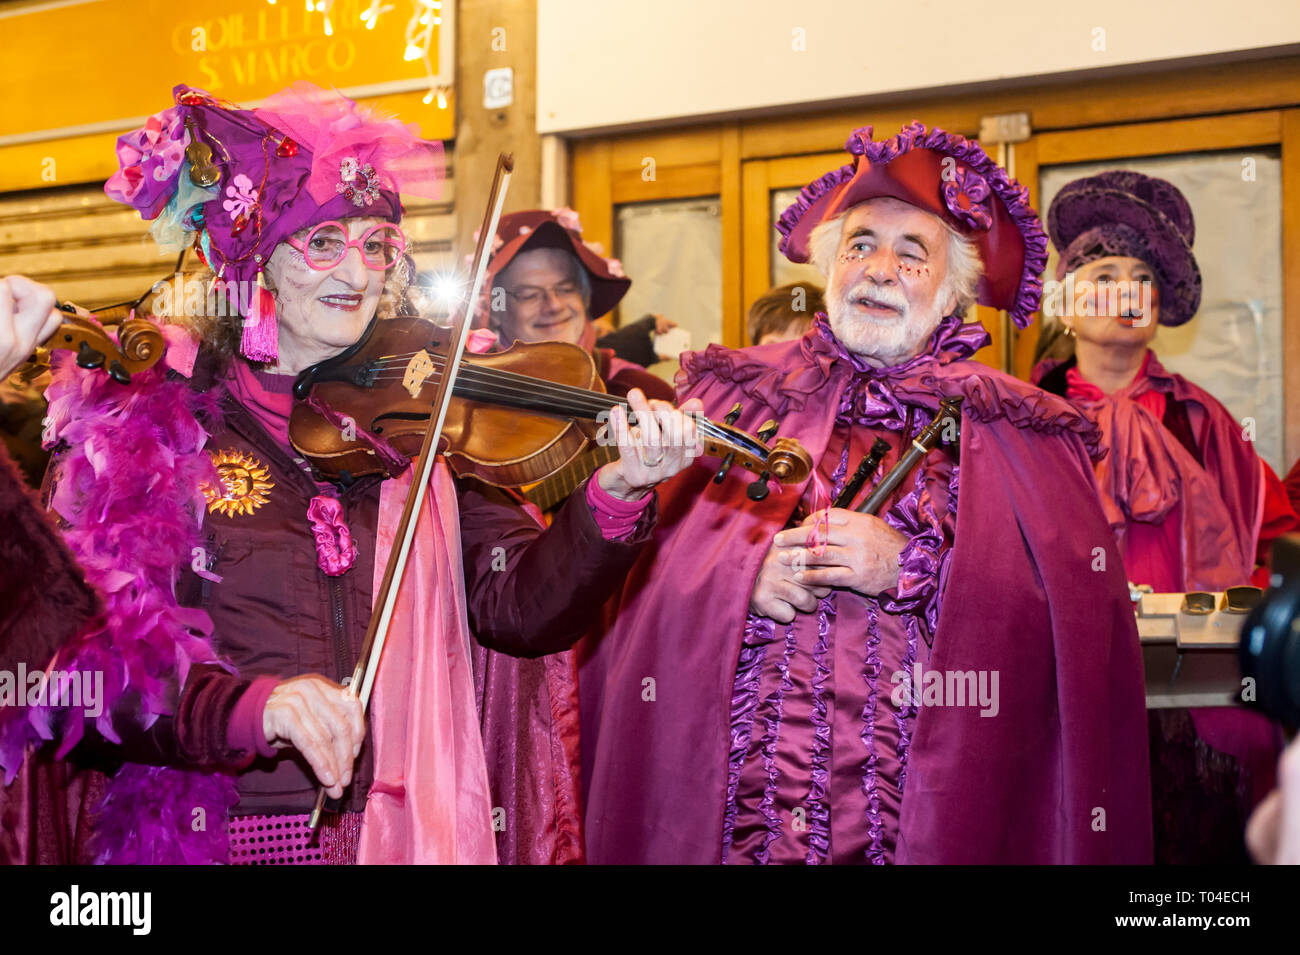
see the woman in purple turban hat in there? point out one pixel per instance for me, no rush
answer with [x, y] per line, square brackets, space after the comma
[1192, 505]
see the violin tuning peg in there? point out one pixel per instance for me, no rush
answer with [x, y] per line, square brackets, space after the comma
[734, 414]
[88, 357]
[118, 373]
[724, 468]
[768, 430]
[759, 489]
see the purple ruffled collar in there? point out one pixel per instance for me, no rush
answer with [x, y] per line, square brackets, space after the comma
[792, 378]
[952, 340]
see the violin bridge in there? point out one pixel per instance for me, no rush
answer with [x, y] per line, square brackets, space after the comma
[418, 370]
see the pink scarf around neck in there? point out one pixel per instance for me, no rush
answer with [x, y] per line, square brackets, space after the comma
[1149, 477]
[430, 802]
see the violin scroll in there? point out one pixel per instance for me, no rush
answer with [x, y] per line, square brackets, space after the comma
[788, 461]
[141, 344]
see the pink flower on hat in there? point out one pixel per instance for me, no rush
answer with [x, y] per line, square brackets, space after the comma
[149, 160]
[359, 184]
[615, 268]
[966, 196]
[567, 218]
[243, 197]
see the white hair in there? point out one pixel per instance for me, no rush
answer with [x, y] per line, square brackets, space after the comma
[961, 277]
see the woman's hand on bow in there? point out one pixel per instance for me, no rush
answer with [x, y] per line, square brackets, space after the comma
[321, 720]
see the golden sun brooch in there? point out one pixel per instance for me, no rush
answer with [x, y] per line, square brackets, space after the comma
[244, 483]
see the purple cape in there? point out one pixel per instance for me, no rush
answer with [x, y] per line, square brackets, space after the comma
[1060, 776]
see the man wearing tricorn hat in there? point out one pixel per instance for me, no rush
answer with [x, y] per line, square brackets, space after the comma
[546, 283]
[955, 681]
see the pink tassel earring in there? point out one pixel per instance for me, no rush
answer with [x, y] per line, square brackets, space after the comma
[261, 337]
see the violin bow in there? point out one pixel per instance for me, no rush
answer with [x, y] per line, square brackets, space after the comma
[363, 677]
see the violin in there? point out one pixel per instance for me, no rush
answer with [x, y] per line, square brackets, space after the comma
[139, 343]
[516, 416]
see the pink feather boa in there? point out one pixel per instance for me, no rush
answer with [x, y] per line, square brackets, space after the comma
[129, 487]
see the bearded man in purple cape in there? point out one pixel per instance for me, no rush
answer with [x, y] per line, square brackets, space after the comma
[956, 681]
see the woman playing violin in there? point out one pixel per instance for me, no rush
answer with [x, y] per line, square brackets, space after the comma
[238, 588]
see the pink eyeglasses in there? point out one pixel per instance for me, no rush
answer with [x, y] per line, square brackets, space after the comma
[381, 246]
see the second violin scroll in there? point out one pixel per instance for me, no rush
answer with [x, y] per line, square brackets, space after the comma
[139, 344]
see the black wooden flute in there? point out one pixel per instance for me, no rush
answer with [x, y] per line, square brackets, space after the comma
[865, 470]
[922, 444]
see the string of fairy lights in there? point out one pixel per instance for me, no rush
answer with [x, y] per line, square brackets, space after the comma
[424, 17]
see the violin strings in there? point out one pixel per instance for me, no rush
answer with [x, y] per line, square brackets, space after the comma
[587, 400]
[514, 384]
[586, 404]
[524, 386]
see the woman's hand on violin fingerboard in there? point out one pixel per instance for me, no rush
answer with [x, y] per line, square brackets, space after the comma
[27, 318]
[663, 441]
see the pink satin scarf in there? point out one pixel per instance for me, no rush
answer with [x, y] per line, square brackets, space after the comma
[1147, 476]
[430, 802]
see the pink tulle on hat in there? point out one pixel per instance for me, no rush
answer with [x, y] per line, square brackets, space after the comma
[306, 156]
[344, 138]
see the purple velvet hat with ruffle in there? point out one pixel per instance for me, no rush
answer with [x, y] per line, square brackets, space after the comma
[951, 177]
[1129, 214]
[238, 182]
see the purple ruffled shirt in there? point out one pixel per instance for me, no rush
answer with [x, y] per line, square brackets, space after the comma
[820, 717]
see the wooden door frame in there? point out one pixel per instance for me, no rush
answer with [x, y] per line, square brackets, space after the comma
[689, 165]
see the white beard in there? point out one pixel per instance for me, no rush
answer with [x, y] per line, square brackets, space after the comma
[883, 342]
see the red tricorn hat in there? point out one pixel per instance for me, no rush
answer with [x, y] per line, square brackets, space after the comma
[539, 229]
[947, 175]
